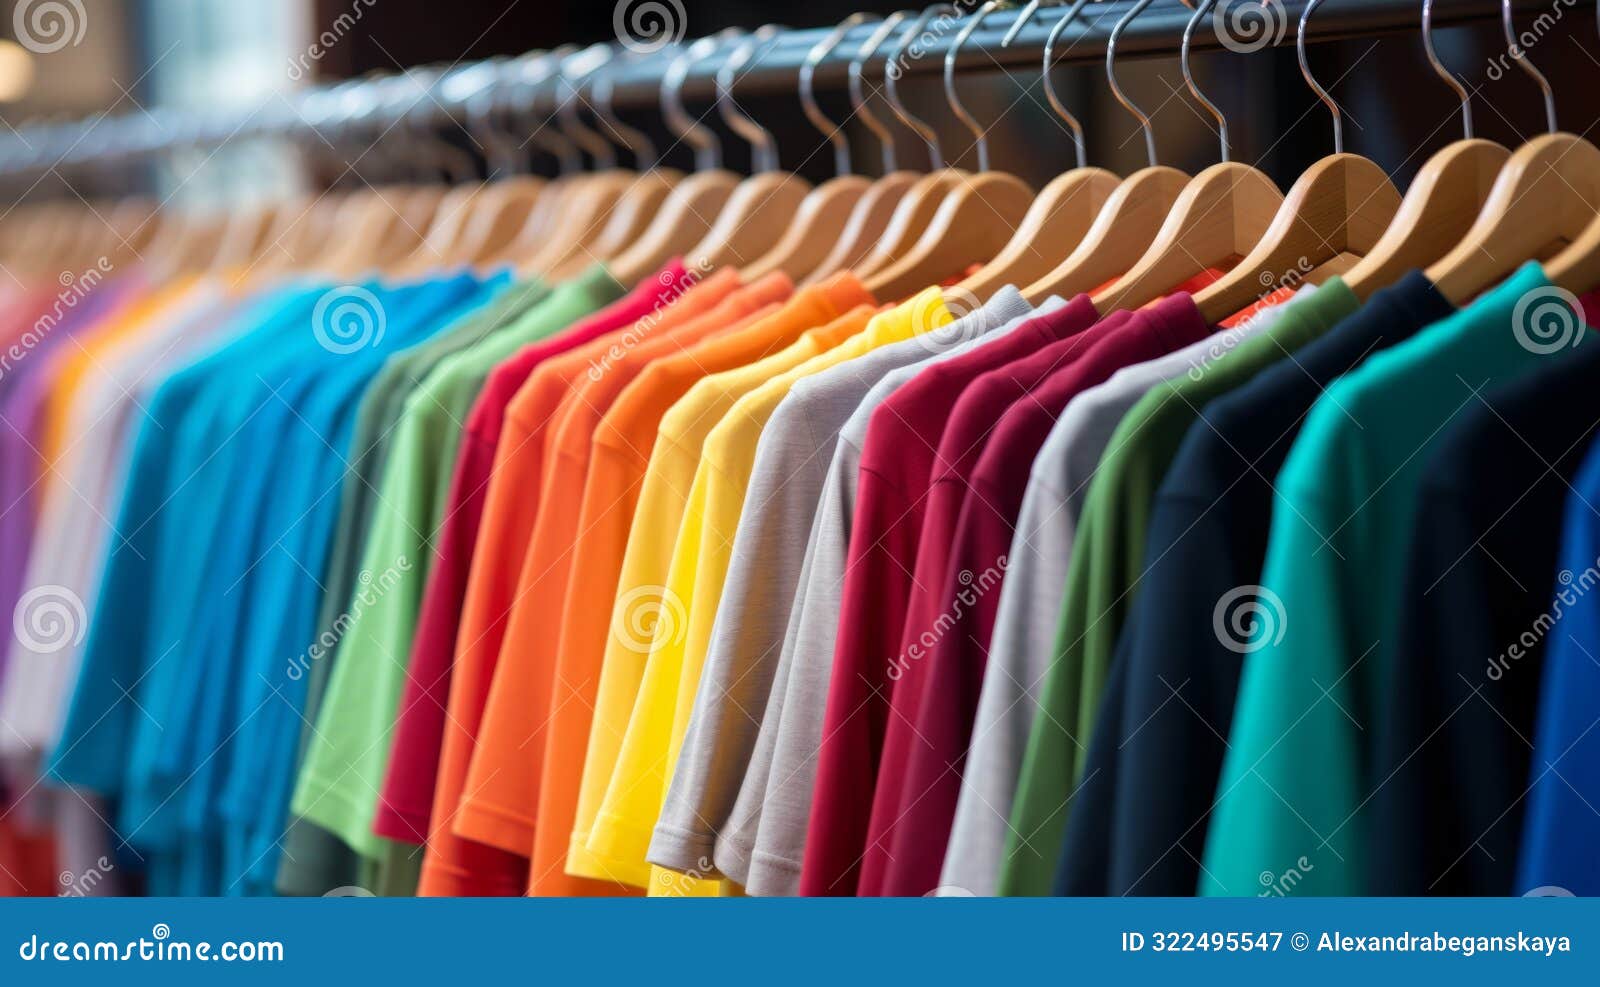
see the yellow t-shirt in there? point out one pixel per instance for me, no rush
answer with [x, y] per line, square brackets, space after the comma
[641, 606]
[699, 564]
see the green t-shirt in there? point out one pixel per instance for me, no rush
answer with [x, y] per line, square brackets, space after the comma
[1297, 778]
[1107, 559]
[345, 761]
[315, 861]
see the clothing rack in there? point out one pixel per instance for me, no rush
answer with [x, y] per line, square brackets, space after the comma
[438, 95]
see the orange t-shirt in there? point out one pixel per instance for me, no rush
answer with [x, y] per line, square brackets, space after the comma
[504, 768]
[617, 451]
[521, 454]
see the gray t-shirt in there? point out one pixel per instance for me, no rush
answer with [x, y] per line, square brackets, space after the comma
[764, 571]
[1036, 579]
[767, 832]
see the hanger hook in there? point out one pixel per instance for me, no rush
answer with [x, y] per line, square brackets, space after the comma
[764, 150]
[1444, 73]
[1116, 90]
[707, 145]
[1056, 104]
[858, 101]
[1305, 71]
[573, 73]
[535, 74]
[1520, 56]
[808, 97]
[895, 67]
[636, 141]
[978, 134]
[1200, 12]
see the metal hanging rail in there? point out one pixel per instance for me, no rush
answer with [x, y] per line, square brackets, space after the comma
[533, 83]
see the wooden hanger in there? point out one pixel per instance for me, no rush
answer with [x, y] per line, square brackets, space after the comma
[1133, 214]
[1443, 201]
[976, 220]
[1333, 216]
[764, 205]
[1221, 214]
[828, 209]
[1543, 202]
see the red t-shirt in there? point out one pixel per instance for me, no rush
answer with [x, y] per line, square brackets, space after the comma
[951, 677]
[896, 460]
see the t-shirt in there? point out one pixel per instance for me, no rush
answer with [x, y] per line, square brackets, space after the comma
[1207, 535]
[769, 818]
[314, 860]
[344, 763]
[640, 602]
[1036, 578]
[975, 572]
[897, 457]
[1455, 721]
[787, 477]
[1558, 828]
[1345, 505]
[1103, 579]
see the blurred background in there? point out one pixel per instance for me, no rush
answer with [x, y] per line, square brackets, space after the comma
[138, 56]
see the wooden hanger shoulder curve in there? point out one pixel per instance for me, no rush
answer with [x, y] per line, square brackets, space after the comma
[631, 218]
[1544, 198]
[680, 223]
[1058, 219]
[911, 217]
[582, 223]
[973, 224]
[493, 229]
[1120, 234]
[1341, 205]
[1437, 211]
[815, 230]
[866, 226]
[756, 216]
[1222, 213]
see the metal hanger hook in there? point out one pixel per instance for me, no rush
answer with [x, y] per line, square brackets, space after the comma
[573, 74]
[707, 145]
[1200, 12]
[808, 97]
[1520, 56]
[1116, 90]
[1444, 73]
[858, 100]
[1050, 94]
[763, 148]
[636, 141]
[1305, 70]
[894, 68]
[980, 140]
